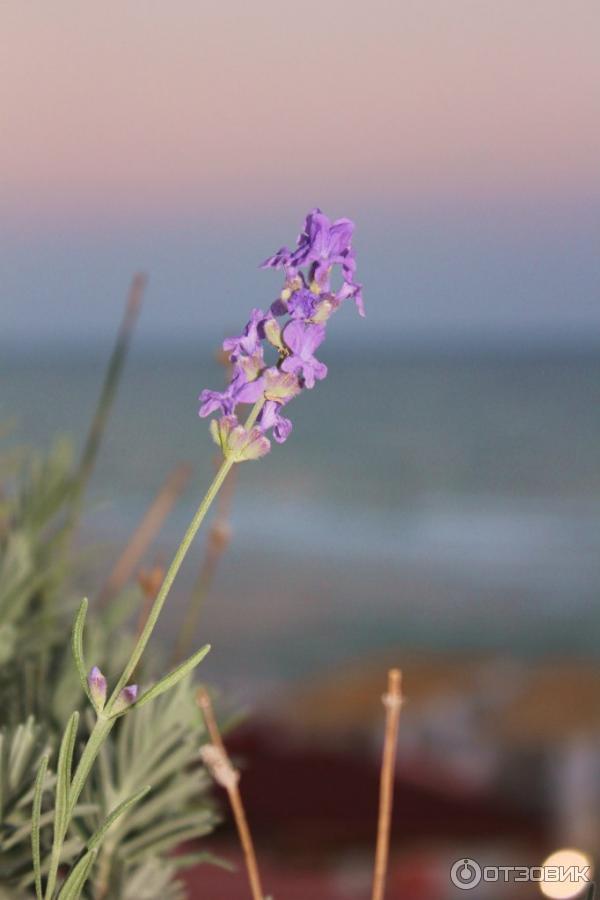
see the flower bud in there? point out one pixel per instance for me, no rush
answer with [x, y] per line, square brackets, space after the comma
[97, 686]
[281, 386]
[236, 442]
[126, 698]
[273, 333]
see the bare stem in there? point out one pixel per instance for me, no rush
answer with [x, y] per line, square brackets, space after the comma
[216, 544]
[392, 701]
[235, 797]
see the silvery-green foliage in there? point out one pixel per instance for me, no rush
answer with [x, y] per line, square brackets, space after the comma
[21, 750]
[34, 565]
[154, 880]
[156, 745]
[39, 689]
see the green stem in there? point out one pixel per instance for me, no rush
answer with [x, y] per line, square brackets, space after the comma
[96, 739]
[176, 565]
[168, 581]
[99, 733]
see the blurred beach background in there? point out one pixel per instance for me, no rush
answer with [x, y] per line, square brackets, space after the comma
[438, 503]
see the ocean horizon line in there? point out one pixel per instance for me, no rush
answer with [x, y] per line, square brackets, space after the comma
[411, 344]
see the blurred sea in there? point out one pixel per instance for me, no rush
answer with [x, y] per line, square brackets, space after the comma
[427, 499]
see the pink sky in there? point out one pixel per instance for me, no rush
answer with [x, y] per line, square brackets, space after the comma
[137, 107]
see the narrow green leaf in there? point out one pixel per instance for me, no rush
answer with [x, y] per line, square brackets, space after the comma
[96, 838]
[35, 825]
[77, 647]
[75, 883]
[63, 778]
[84, 809]
[173, 677]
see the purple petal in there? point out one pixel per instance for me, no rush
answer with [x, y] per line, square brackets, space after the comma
[303, 338]
[279, 259]
[311, 370]
[340, 235]
[282, 429]
[249, 391]
[249, 341]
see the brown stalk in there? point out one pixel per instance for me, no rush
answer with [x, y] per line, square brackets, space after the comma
[109, 388]
[149, 581]
[225, 774]
[146, 531]
[392, 701]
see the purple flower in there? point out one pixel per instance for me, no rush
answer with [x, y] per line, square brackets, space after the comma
[324, 243]
[249, 341]
[271, 417]
[307, 301]
[302, 340]
[239, 390]
[279, 388]
[321, 245]
[301, 304]
[97, 686]
[354, 291]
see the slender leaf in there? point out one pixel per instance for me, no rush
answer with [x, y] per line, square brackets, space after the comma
[75, 883]
[63, 779]
[35, 825]
[173, 677]
[96, 838]
[77, 647]
[81, 811]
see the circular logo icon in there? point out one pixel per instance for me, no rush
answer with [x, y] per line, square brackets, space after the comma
[465, 874]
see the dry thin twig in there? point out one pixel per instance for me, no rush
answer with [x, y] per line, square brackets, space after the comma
[109, 388]
[392, 701]
[149, 581]
[146, 531]
[216, 758]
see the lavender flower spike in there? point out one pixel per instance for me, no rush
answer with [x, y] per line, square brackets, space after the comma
[306, 303]
[97, 686]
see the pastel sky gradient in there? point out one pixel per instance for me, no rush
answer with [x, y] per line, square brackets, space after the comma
[189, 138]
